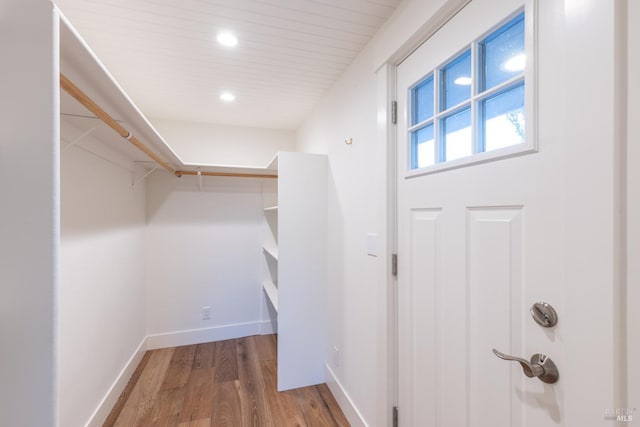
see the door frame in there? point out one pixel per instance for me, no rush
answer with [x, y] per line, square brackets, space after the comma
[387, 138]
[632, 178]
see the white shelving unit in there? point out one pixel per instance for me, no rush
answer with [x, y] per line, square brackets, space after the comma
[295, 257]
[270, 247]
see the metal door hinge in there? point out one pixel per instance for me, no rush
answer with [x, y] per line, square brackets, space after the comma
[394, 264]
[394, 112]
[395, 416]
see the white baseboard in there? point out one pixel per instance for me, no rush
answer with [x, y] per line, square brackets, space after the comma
[104, 408]
[217, 333]
[171, 339]
[354, 416]
[268, 327]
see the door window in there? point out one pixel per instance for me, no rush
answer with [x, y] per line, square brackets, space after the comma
[472, 104]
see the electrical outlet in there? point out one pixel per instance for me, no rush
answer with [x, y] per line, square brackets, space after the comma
[206, 313]
[336, 356]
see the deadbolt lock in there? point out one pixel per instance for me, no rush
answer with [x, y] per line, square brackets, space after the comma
[544, 314]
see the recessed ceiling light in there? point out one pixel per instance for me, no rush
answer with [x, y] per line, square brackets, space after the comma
[515, 63]
[227, 39]
[227, 96]
[463, 81]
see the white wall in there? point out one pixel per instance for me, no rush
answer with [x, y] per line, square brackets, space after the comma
[29, 229]
[203, 248]
[204, 143]
[349, 111]
[358, 292]
[102, 296]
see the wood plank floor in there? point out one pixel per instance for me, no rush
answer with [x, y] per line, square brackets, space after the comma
[226, 383]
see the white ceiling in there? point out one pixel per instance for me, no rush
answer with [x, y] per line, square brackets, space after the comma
[165, 55]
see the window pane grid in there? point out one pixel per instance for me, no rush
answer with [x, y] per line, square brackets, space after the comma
[502, 53]
[422, 107]
[482, 119]
[436, 120]
[501, 86]
[502, 117]
[423, 147]
[420, 125]
[455, 85]
[476, 140]
[454, 108]
[478, 143]
[457, 141]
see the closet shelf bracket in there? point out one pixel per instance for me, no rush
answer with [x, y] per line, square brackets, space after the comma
[75, 92]
[143, 177]
[79, 139]
[200, 184]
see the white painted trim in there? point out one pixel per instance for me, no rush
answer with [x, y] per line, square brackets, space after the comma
[216, 333]
[108, 402]
[632, 209]
[349, 409]
[387, 396]
[622, 192]
[443, 15]
[267, 327]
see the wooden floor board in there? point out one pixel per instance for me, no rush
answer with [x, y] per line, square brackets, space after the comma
[227, 409]
[285, 406]
[144, 393]
[316, 411]
[180, 367]
[204, 357]
[255, 411]
[266, 347]
[229, 383]
[166, 409]
[198, 403]
[226, 362]
[205, 422]
[332, 405]
[122, 400]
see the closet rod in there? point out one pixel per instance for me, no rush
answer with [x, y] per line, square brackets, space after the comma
[237, 175]
[83, 99]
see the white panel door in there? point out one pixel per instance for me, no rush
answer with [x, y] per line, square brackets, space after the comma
[478, 244]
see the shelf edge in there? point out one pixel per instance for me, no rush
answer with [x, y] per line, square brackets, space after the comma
[272, 253]
[272, 293]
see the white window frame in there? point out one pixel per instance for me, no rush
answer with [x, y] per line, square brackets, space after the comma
[529, 76]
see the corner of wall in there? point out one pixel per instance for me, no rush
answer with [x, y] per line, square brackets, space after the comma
[107, 403]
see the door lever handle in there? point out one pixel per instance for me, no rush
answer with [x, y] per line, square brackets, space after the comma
[540, 366]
